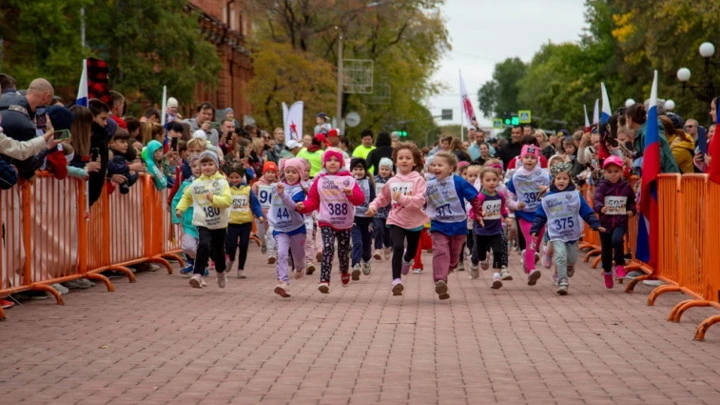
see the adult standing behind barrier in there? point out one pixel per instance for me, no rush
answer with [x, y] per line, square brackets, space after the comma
[636, 118]
[98, 148]
[383, 149]
[682, 145]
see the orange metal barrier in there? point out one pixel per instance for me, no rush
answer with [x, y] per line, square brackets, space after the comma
[50, 236]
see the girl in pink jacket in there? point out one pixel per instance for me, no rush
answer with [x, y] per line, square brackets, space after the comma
[406, 193]
[334, 194]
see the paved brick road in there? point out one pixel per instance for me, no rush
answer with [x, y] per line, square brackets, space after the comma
[161, 342]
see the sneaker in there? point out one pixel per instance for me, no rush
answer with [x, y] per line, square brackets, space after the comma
[222, 280]
[282, 290]
[345, 278]
[187, 270]
[377, 255]
[263, 248]
[366, 269]
[461, 266]
[203, 283]
[620, 272]
[324, 287]
[405, 269]
[441, 289]
[241, 274]
[5, 304]
[271, 259]
[497, 282]
[417, 271]
[485, 264]
[153, 267]
[505, 274]
[387, 253]
[318, 256]
[229, 264]
[570, 270]
[309, 269]
[546, 258]
[196, 281]
[533, 277]
[474, 272]
[85, 283]
[397, 287]
[299, 273]
[608, 280]
[71, 285]
[60, 288]
[562, 287]
[356, 272]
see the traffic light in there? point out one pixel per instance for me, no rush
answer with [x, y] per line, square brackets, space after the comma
[511, 120]
[508, 121]
[515, 120]
[401, 133]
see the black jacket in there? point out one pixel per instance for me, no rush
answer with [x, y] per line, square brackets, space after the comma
[373, 158]
[509, 152]
[96, 180]
[18, 122]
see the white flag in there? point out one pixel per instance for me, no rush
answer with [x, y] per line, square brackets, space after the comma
[467, 107]
[293, 122]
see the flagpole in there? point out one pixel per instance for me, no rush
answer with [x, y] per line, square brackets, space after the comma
[164, 106]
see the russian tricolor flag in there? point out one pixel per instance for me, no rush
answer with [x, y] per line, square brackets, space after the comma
[606, 111]
[647, 239]
[82, 94]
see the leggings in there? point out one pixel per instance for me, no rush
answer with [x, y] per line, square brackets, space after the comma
[612, 245]
[531, 244]
[470, 243]
[398, 236]
[211, 245]
[382, 233]
[520, 236]
[309, 239]
[265, 234]
[241, 232]
[328, 237]
[288, 245]
[361, 241]
[504, 258]
[483, 243]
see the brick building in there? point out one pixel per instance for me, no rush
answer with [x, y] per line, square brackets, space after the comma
[225, 23]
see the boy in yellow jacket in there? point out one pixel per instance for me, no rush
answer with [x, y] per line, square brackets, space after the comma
[210, 197]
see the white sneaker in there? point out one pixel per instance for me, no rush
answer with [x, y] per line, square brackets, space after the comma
[417, 271]
[355, 272]
[222, 279]
[241, 274]
[497, 281]
[282, 289]
[196, 281]
[366, 268]
[387, 253]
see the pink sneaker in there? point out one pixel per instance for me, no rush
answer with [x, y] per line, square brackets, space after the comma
[546, 258]
[620, 272]
[608, 280]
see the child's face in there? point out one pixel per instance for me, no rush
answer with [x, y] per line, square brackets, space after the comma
[384, 171]
[306, 173]
[472, 174]
[196, 169]
[234, 178]
[183, 154]
[441, 168]
[529, 161]
[194, 151]
[613, 173]
[490, 181]
[561, 181]
[358, 172]
[291, 175]
[332, 165]
[405, 161]
[569, 148]
[158, 154]
[270, 175]
[462, 171]
[119, 145]
[208, 168]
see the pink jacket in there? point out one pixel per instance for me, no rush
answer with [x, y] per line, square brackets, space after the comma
[407, 212]
[312, 202]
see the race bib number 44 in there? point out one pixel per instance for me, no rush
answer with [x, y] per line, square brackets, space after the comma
[616, 205]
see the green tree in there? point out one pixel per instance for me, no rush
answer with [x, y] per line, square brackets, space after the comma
[500, 95]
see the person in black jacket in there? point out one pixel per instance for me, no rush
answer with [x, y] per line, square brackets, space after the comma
[98, 148]
[383, 148]
[512, 149]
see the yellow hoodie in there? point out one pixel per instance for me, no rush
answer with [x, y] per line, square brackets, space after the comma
[209, 214]
[683, 151]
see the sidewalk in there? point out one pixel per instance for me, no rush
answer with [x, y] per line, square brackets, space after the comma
[159, 341]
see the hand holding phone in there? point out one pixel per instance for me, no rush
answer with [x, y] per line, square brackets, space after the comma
[61, 134]
[40, 118]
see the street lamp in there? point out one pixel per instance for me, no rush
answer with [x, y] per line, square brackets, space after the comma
[704, 91]
[629, 102]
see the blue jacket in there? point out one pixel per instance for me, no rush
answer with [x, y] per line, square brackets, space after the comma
[187, 216]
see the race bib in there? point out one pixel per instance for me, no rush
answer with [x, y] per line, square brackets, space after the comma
[265, 196]
[491, 208]
[616, 205]
[335, 208]
[403, 187]
[240, 204]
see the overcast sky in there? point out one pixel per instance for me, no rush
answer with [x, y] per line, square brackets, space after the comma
[485, 32]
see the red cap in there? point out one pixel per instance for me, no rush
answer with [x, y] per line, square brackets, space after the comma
[322, 138]
[333, 132]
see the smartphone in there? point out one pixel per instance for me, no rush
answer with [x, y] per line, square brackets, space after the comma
[40, 118]
[702, 139]
[61, 134]
[94, 154]
[173, 143]
[215, 125]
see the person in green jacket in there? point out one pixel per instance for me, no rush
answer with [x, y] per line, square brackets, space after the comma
[153, 156]
[636, 116]
[366, 146]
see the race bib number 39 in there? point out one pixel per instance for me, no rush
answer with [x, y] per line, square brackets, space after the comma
[615, 205]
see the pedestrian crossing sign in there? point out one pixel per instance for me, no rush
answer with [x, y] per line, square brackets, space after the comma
[497, 123]
[525, 116]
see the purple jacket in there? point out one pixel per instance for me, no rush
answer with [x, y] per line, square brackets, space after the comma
[620, 189]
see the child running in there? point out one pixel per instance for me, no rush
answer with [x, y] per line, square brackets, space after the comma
[471, 175]
[210, 197]
[381, 231]
[446, 196]
[263, 189]
[614, 201]
[547, 249]
[310, 223]
[488, 229]
[244, 205]
[562, 208]
[406, 192]
[190, 235]
[334, 194]
[527, 183]
[361, 238]
[288, 225]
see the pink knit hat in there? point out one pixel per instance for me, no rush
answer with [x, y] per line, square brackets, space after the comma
[530, 150]
[333, 153]
[296, 163]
